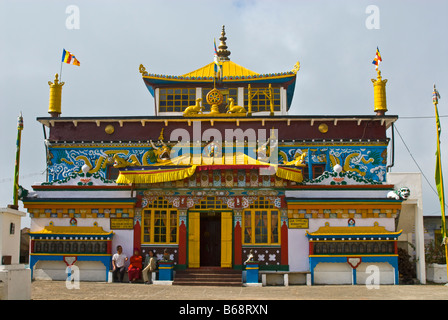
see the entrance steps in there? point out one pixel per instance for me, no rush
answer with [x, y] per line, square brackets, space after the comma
[208, 276]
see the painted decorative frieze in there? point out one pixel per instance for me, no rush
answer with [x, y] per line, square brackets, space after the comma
[367, 162]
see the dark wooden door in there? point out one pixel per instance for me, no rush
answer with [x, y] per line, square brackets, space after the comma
[210, 239]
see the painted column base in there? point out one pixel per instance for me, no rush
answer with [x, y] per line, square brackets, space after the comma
[165, 271]
[252, 272]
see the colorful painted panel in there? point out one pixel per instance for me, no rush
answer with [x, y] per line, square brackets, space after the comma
[369, 162]
[63, 161]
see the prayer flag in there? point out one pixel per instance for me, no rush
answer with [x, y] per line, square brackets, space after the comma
[69, 58]
[438, 172]
[435, 96]
[377, 59]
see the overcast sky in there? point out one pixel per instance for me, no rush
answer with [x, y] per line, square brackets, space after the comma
[335, 42]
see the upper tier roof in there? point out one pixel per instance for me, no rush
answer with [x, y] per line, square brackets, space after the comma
[229, 69]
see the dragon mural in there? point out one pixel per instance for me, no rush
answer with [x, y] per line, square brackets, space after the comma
[365, 161]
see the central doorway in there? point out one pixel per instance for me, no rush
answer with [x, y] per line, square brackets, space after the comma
[210, 246]
[210, 238]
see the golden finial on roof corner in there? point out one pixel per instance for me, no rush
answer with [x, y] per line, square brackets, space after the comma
[296, 67]
[223, 53]
[142, 70]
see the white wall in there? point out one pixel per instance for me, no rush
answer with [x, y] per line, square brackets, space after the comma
[298, 250]
[386, 273]
[10, 243]
[56, 270]
[333, 273]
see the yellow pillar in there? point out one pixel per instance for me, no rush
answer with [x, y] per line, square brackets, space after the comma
[249, 100]
[379, 94]
[194, 259]
[226, 239]
[54, 108]
[271, 100]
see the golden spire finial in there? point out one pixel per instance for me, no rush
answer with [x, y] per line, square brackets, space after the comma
[379, 95]
[54, 108]
[223, 53]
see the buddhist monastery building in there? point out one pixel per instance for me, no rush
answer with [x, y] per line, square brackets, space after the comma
[220, 171]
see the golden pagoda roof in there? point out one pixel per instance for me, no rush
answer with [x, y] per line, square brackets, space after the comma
[353, 230]
[229, 69]
[231, 72]
[72, 230]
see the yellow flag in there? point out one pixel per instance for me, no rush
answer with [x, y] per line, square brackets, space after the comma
[438, 173]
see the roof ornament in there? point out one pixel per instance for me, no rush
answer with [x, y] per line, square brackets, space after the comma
[223, 53]
[142, 70]
[54, 108]
[296, 67]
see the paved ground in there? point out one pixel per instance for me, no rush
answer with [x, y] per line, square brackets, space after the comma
[57, 290]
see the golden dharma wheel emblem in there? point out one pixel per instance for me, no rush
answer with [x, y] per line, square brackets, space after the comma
[214, 97]
[323, 128]
[109, 129]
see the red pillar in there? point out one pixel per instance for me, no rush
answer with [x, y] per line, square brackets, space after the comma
[182, 244]
[237, 245]
[284, 246]
[137, 235]
[109, 246]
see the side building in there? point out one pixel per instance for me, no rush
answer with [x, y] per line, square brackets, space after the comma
[221, 170]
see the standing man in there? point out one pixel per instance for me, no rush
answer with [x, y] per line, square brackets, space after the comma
[118, 264]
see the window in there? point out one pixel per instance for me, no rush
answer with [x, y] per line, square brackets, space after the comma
[318, 170]
[112, 172]
[211, 203]
[261, 101]
[176, 99]
[160, 223]
[261, 227]
[160, 226]
[262, 203]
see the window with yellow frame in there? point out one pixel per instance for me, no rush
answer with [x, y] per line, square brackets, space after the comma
[261, 226]
[261, 102]
[160, 223]
[160, 226]
[176, 99]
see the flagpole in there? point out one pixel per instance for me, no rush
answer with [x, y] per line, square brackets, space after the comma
[16, 169]
[60, 73]
[435, 101]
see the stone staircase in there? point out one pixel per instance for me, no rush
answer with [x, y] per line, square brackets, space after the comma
[208, 276]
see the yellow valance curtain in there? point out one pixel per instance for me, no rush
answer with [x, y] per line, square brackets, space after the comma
[292, 174]
[155, 175]
[165, 174]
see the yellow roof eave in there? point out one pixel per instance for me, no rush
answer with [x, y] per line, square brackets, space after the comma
[54, 230]
[341, 231]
